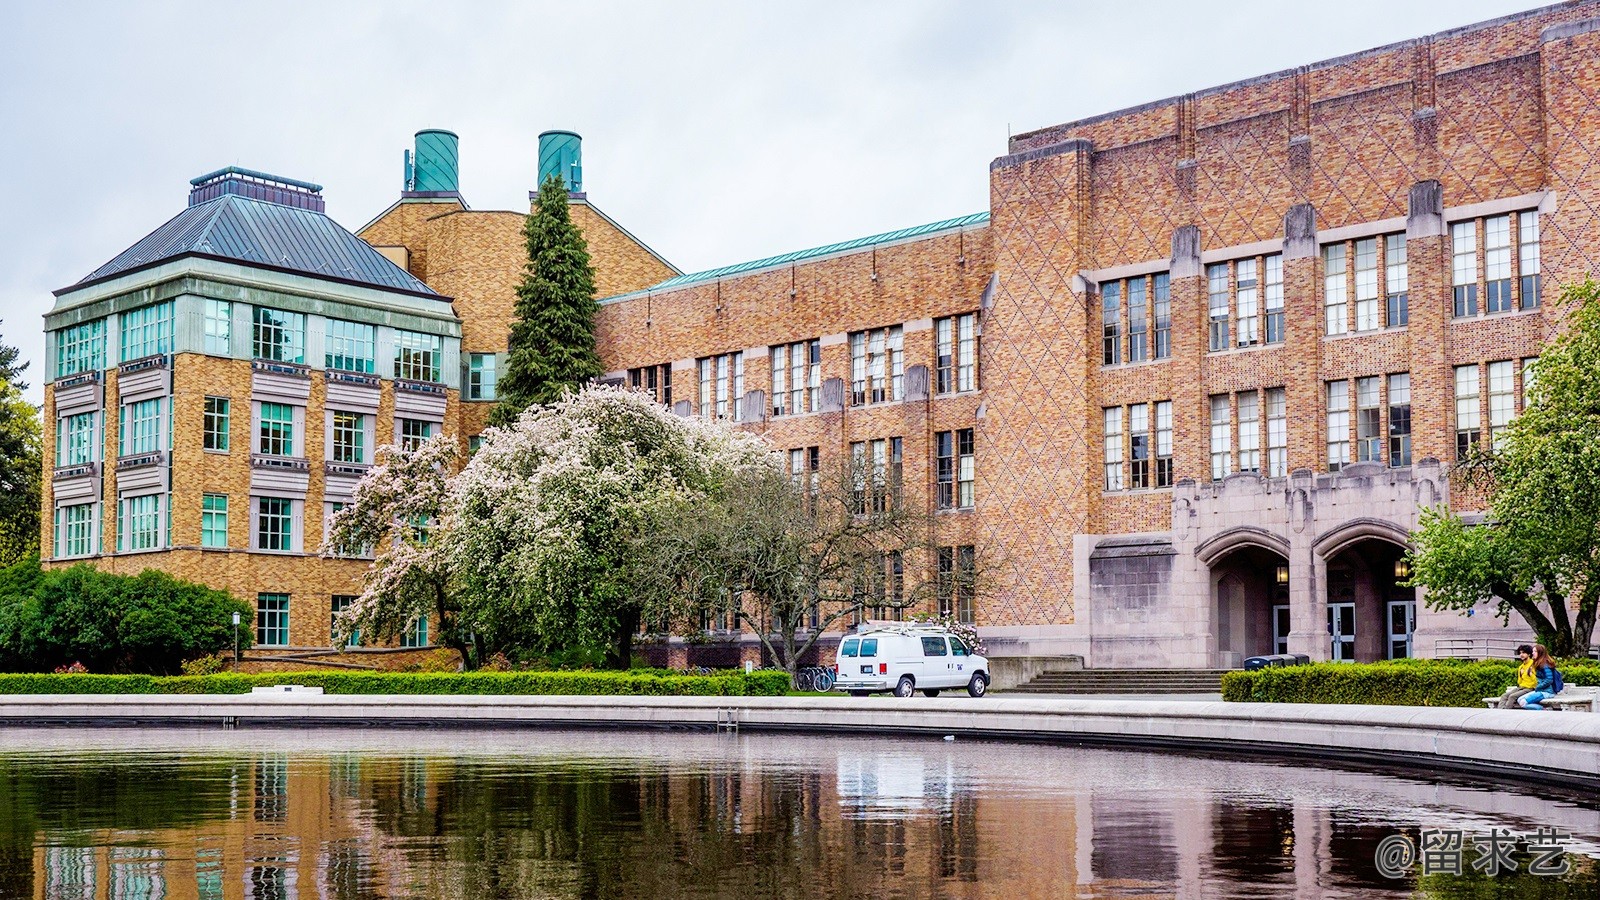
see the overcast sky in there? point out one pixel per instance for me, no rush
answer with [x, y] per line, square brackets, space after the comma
[715, 132]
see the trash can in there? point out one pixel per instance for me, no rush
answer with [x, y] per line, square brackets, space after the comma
[1262, 662]
[1299, 659]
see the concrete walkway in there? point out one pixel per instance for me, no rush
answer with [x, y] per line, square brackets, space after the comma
[1558, 748]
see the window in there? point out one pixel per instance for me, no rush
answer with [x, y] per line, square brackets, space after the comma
[272, 620]
[957, 582]
[1111, 319]
[139, 523]
[413, 432]
[653, 380]
[275, 436]
[877, 366]
[1467, 421]
[1113, 448]
[1529, 380]
[352, 347]
[1247, 296]
[1277, 433]
[1221, 437]
[1497, 265]
[1163, 315]
[349, 438]
[219, 327]
[76, 440]
[805, 467]
[274, 523]
[1502, 401]
[1464, 267]
[1400, 419]
[1528, 259]
[147, 331]
[955, 469]
[891, 587]
[81, 348]
[215, 430]
[1249, 431]
[1338, 425]
[1164, 444]
[721, 386]
[1274, 294]
[337, 606]
[796, 378]
[75, 530]
[1138, 327]
[416, 633]
[1217, 293]
[1335, 300]
[278, 336]
[1369, 421]
[1396, 281]
[416, 356]
[957, 351]
[139, 430]
[214, 520]
[877, 467]
[1367, 284]
[1139, 446]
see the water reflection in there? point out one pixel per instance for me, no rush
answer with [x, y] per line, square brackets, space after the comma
[123, 815]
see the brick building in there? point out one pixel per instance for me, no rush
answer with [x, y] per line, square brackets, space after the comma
[1185, 387]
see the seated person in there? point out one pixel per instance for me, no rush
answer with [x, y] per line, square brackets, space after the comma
[1549, 680]
[1527, 679]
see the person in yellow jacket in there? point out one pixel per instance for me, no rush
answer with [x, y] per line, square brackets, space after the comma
[1527, 679]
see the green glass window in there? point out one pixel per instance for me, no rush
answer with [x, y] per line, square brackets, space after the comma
[276, 434]
[81, 348]
[416, 356]
[214, 520]
[76, 442]
[272, 620]
[274, 523]
[147, 331]
[349, 437]
[140, 427]
[216, 423]
[481, 377]
[219, 327]
[278, 336]
[352, 346]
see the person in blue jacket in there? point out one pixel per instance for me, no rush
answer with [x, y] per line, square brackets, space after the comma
[1548, 682]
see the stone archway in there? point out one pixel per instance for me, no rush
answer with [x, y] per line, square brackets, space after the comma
[1369, 617]
[1249, 589]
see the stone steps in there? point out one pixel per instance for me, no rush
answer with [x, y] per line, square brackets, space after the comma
[1126, 681]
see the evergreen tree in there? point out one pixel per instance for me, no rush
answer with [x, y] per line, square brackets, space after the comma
[552, 340]
[20, 461]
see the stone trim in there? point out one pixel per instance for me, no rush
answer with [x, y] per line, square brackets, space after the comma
[1212, 550]
[1341, 536]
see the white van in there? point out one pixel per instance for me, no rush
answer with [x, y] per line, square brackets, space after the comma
[905, 659]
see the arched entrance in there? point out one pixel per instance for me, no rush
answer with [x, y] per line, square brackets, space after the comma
[1249, 581]
[1370, 617]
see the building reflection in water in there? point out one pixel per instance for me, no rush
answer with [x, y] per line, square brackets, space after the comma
[358, 816]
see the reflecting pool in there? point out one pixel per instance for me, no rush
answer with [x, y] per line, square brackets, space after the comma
[171, 813]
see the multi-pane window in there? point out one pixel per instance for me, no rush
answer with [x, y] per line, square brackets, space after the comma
[481, 376]
[139, 428]
[878, 467]
[1367, 284]
[139, 523]
[218, 326]
[877, 365]
[417, 356]
[1162, 289]
[214, 520]
[1217, 304]
[1273, 289]
[957, 352]
[413, 432]
[654, 380]
[1529, 378]
[1164, 474]
[1467, 416]
[274, 523]
[1528, 258]
[1335, 300]
[805, 468]
[889, 586]
[275, 434]
[1221, 437]
[272, 620]
[1247, 296]
[81, 348]
[1111, 318]
[1400, 419]
[1249, 431]
[349, 444]
[954, 469]
[1369, 421]
[1113, 448]
[1396, 281]
[352, 347]
[74, 530]
[721, 386]
[957, 582]
[214, 429]
[337, 607]
[1497, 264]
[416, 633]
[147, 331]
[278, 336]
[1139, 446]
[796, 378]
[1464, 268]
[1502, 400]
[77, 441]
[1338, 425]
[1277, 433]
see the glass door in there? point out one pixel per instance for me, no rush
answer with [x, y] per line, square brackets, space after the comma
[1342, 631]
[1280, 629]
[1402, 624]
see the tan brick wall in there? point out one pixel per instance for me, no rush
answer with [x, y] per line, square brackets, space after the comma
[621, 264]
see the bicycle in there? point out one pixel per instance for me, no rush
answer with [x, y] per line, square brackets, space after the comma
[814, 678]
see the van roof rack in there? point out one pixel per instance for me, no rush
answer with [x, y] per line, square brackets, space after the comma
[902, 627]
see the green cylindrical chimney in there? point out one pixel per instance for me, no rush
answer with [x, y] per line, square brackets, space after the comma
[436, 166]
[561, 153]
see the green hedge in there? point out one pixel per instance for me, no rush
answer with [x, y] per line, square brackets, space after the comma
[1404, 683]
[756, 684]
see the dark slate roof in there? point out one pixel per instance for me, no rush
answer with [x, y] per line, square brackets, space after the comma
[266, 234]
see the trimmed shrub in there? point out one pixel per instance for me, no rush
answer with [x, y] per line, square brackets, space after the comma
[756, 684]
[1400, 683]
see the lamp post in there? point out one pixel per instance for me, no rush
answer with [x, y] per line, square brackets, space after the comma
[236, 640]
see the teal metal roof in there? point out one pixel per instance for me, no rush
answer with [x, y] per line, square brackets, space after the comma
[888, 237]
